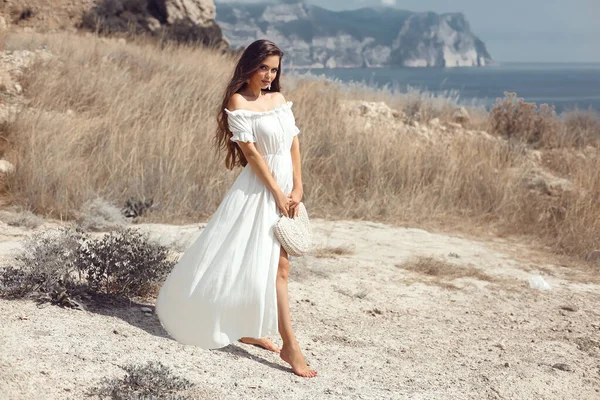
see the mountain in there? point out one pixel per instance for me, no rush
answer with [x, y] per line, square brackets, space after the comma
[312, 36]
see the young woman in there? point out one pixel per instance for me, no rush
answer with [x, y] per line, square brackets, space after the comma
[232, 282]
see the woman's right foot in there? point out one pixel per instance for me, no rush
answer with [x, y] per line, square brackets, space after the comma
[293, 356]
[262, 342]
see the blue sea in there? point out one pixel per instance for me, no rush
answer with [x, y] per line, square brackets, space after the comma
[566, 86]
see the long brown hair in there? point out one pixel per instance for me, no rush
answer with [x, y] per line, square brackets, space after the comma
[249, 62]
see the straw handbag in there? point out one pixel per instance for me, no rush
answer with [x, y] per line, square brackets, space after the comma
[295, 234]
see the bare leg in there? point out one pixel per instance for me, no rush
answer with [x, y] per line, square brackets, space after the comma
[262, 342]
[290, 351]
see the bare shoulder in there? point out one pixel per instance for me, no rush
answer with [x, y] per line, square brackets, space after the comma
[278, 98]
[236, 102]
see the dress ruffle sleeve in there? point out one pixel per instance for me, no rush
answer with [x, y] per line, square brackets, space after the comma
[292, 121]
[241, 127]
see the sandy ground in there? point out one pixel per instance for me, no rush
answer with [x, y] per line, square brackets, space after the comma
[372, 329]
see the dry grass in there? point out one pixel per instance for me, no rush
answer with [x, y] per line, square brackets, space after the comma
[332, 252]
[440, 272]
[512, 117]
[123, 121]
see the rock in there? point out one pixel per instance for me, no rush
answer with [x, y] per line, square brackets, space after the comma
[569, 308]
[153, 24]
[537, 282]
[371, 109]
[3, 24]
[454, 125]
[6, 167]
[461, 116]
[199, 12]
[146, 309]
[18, 88]
[411, 40]
[179, 20]
[435, 123]
[562, 367]
[544, 182]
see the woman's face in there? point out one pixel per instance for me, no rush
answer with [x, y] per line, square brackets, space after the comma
[266, 73]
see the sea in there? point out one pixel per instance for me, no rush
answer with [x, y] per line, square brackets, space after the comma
[567, 86]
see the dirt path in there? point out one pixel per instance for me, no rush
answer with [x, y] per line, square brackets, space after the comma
[371, 326]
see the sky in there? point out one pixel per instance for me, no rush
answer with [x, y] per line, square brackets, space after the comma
[513, 30]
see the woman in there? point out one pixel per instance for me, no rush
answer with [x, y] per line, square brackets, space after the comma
[232, 282]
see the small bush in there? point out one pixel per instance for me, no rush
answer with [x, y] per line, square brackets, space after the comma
[123, 262]
[137, 207]
[98, 214]
[21, 218]
[512, 117]
[48, 260]
[150, 381]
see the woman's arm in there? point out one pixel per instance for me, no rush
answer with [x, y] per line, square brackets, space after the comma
[297, 191]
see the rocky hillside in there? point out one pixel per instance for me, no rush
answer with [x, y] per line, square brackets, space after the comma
[316, 37]
[181, 20]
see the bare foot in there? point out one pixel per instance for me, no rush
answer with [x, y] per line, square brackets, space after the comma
[262, 342]
[293, 356]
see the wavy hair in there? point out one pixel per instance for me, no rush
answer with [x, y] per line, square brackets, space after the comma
[248, 64]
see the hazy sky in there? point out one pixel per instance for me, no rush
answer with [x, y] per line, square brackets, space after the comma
[513, 30]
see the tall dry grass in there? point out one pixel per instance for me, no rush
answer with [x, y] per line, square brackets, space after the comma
[119, 120]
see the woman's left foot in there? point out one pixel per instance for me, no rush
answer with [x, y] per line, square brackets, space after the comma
[262, 342]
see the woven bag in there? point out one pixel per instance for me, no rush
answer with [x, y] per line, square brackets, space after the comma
[295, 234]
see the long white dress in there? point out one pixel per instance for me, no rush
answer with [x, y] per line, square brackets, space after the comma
[223, 286]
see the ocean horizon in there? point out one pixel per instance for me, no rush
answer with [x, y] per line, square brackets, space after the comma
[566, 85]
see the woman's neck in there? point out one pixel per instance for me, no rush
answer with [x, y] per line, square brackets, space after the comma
[253, 91]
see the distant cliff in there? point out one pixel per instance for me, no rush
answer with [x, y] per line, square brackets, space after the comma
[315, 37]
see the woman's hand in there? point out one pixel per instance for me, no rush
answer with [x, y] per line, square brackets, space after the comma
[295, 197]
[283, 202]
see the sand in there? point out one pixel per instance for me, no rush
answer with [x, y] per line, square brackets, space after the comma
[373, 328]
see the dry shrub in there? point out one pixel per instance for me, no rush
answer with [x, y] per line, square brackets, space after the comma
[332, 252]
[99, 214]
[512, 117]
[440, 272]
[152, 380]
[123, 262]
[22, 218]
[47, 260]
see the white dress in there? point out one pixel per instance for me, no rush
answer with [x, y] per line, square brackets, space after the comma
[223, 286]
